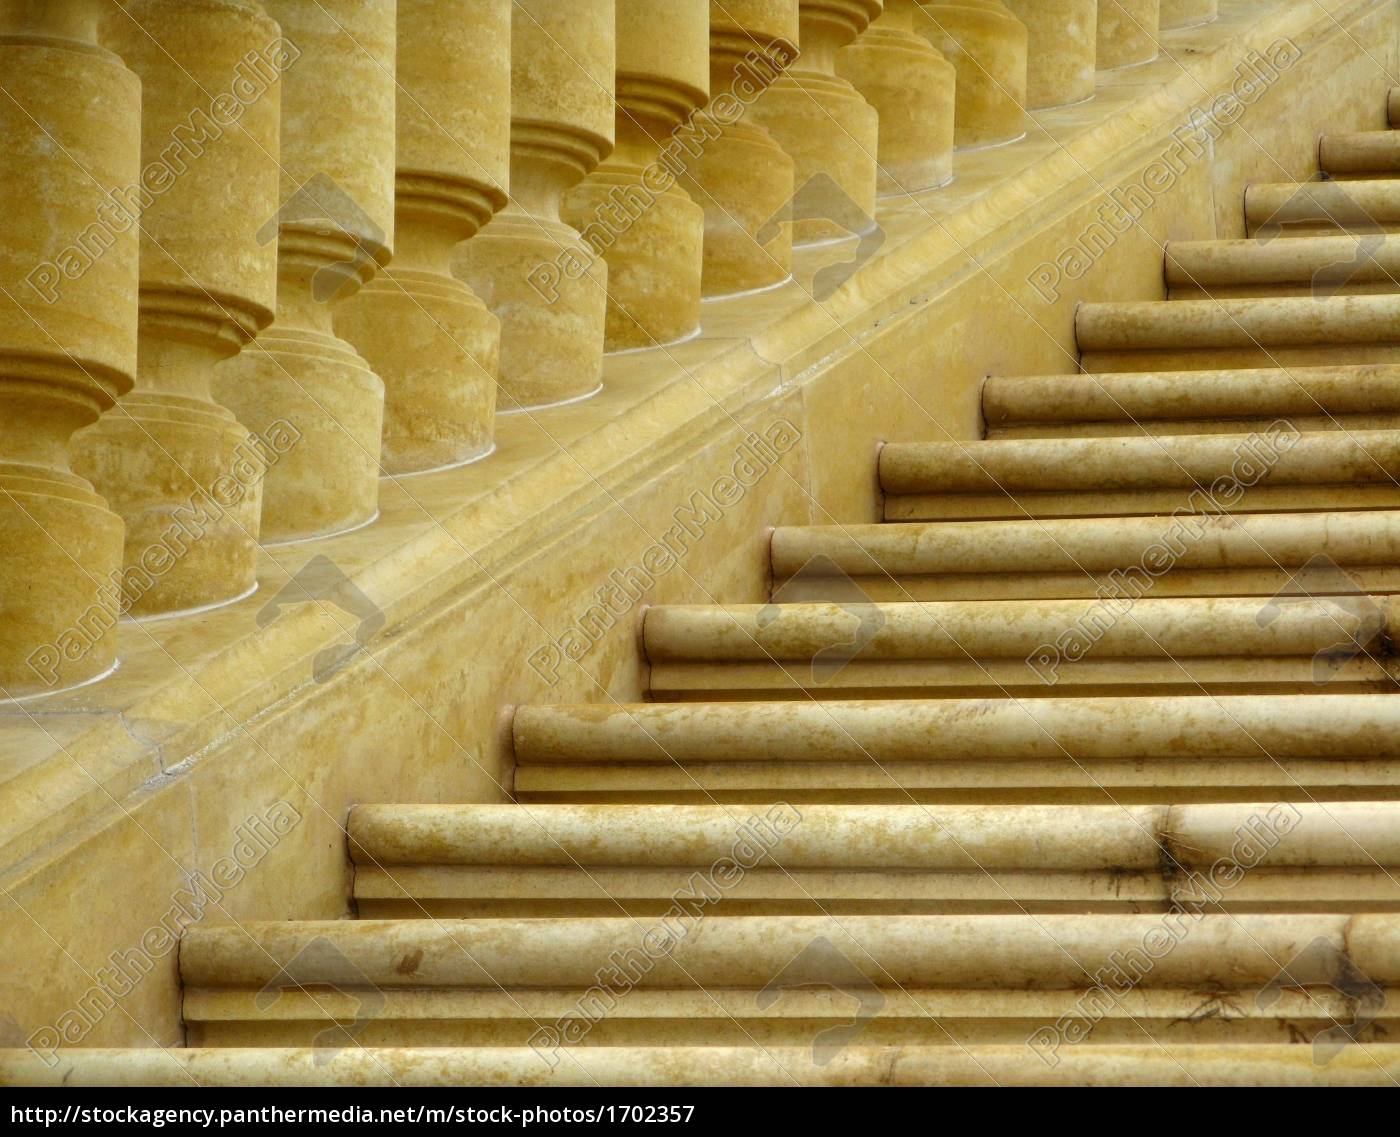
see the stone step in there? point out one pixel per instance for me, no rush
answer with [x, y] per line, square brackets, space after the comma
[1364, 152]
[1192, 402]
[472, 861]
[1362, 264]
[1278, 468]
[1146, 750]
[1187, 977]
[1184, 554]
[1130, 1064]
[1283, 331]
[1020, 648]
[1287, 209]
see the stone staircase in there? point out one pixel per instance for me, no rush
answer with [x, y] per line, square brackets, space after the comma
[1083, 767]
[952, 855]
[1312, 288]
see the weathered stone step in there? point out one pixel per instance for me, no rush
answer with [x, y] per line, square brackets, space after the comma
[1314, 266]
[1286, 209]
[1192, 402]
[1364, 152]
[783, 980]
[1278, 468]
[1021, 648]
[1284, 331]
[1185, 554]
[445, 861]
[1130, 1064]
[1099, 750]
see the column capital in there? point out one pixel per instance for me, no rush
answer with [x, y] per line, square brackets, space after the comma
[562, 87]
[663, 60]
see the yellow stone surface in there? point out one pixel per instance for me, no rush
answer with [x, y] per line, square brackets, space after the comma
[529, 267]
[988, 47]
[178, 467]
[1062, 50]
[737, 173]
[1265, 1064]
[334, 229]
[1188, 13]
[67, 337]
[911, 87]
[1127, 33]
[631, 211]
[804, 620]
[423, 332]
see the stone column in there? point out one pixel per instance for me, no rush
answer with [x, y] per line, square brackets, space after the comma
[179, 468]
[1127, 33]
[912, 88]
[532, 270]
[741, 177]
[423, 332]
[333, 231]
[68, 268]
[988, 47]
[1188, 13]
[631, 211]
[827, 128]
[1063, 49]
